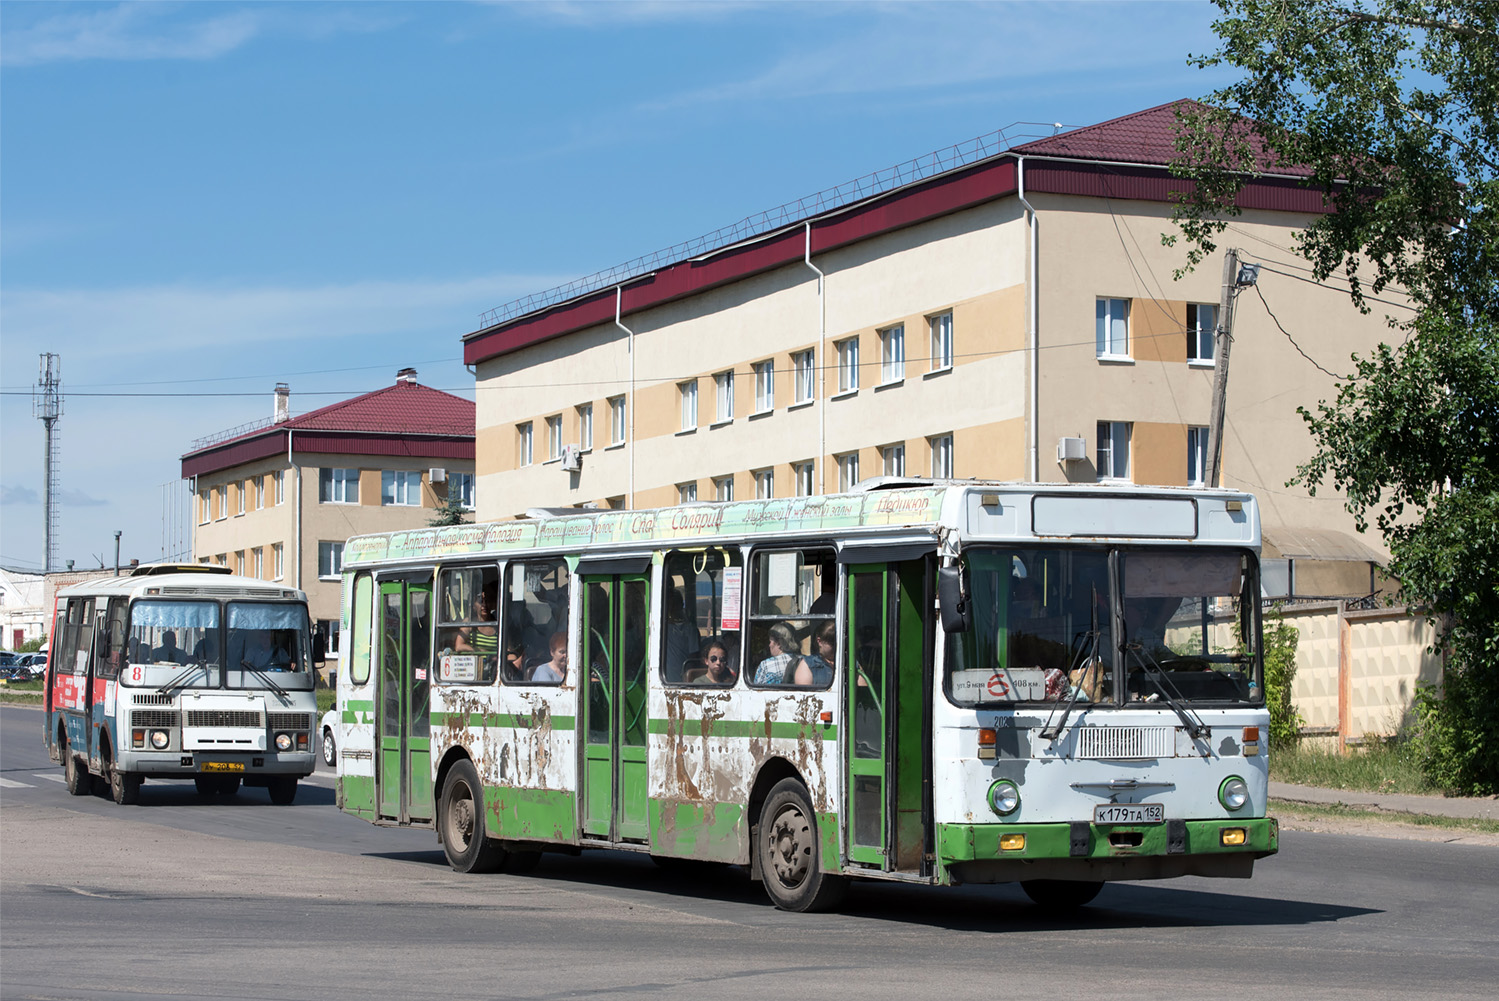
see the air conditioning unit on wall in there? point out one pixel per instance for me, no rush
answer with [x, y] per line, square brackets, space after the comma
[1072, 449]
[572, 459]
[437, 475]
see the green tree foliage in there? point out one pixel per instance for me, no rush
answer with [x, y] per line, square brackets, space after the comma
[452, 512]
[1280, 671]
[1390, 108]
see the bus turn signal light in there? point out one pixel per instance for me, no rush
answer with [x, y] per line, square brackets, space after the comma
[1012, 842]
[986, 744]
[1231, 836]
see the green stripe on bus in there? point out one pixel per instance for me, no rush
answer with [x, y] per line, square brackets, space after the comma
[530, 814]
[788, 730]
[714, 832]
[970, 842]
[521, 721]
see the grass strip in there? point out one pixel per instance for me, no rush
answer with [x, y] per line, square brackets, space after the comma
[1342, 811]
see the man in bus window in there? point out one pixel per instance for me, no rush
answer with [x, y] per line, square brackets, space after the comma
[168, 653]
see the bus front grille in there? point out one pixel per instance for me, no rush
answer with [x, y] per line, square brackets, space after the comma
[1115, 743]
[154, 700]
[158, 718]
[224, 717]
[289, 721]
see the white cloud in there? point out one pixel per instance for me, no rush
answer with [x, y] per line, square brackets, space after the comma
[592, 13]
[18, 495]
[129, 31]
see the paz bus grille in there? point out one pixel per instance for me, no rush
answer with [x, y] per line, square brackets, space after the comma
[154, 700]
[1125, 742]
[158, 718]
[223, 717]
[289, 721]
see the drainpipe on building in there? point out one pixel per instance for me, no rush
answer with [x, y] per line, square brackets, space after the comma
[1033, 377]
[822, 360]
[297, 517]
[629, 397]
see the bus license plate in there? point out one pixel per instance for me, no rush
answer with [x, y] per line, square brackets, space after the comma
[222, 766]
[1129, 813]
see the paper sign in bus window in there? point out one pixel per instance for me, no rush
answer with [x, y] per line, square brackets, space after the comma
[458, 667]
[733, 580]
[780, 575]
[1020, 684]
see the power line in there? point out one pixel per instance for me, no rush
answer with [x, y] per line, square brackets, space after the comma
[1283, 330]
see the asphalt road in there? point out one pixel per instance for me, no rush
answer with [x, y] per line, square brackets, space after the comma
[242, 900]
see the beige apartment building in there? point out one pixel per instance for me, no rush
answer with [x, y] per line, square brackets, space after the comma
[278, 500]
[1014, 317]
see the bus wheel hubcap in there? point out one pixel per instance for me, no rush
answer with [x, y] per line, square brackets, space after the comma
[790, 846]
[462, 824]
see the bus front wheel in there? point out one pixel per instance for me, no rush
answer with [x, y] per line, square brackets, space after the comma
[1058, 896]
[283, 790]
[76, 772]
[789, 853]
[462, 823]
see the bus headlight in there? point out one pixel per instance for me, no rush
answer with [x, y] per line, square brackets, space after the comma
[160, 740]
[283, 742]
[1233, 793]
[1004, 797]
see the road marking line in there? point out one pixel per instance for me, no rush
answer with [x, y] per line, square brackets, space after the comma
[50, 777]
[13, 784]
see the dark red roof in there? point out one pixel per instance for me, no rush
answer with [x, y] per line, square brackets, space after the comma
[1147, 136]
[405, 408]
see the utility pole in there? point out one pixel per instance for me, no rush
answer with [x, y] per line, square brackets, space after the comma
[46, 405]
[1234, 278]
[117, 552]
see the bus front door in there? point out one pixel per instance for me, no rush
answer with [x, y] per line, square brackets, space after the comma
[888, 773]
[616, 624]
[404, 774]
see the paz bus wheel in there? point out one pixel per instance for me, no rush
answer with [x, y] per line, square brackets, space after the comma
[124, 789]
[1058, 896]
[282, 790]
[790, 855]
[461, 820]
[76, 772]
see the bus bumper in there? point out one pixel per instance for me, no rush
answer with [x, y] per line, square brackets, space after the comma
[973, 853]
[179, 765]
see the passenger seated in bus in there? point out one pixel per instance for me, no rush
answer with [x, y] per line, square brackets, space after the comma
[816, 668]
[713, 667]
[515, 661]
[783, 647]
[553, 671]
[207, 649]
[168, 653]
[257, 652]
[682, 639]
[482, 639]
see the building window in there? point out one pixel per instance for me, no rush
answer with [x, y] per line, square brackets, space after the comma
[338, 486]
[803, 479]
[687, 492]
[239, 562]
[257, 561]
[554, 437]
[941, 456]
[941, 329]
[804, 367]
[221, 501]
[239, 496]
[524, 446]
[893, 354]
[616, 420]
[723, 384]
[1113, 450]
[765, 483]
[221, 559]
[848, 471]
[205, 500]
[461, 489]
[276, 552]
[723, 488]
[400, 488]
[765, 386]
[1113, 328]
[330, 559]
[259, 492]
[894, 457]
[848, 365]
[1197, 455]
[1202, 322]
[280, 478]
[585, 427]
[688, 393]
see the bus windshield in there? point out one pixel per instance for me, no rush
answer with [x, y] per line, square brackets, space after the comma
[267, 645]
[1043, 627]
[167, 637]
[181, 644]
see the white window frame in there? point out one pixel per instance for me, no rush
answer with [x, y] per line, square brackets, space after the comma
[554, 437]
[239, 491]
[848, 471]
[461, 487]
[222, 497]
[765, 386]
[893, 459]
[804, 375]
[278, 552]
[400, 488]
[687, 492]
[525, 444]
[892, 354]
[1113, 438]
[338, 481]
[1197, 455]
[585, 427]
[258, 562]
[723, 387]
[239, 562]
[205, 496]
[687, 393]
[941, 459]
[330, 559]
[1111, 329]
[939, 325]
[765, 484]
[848, 364]
[618, 420]
[723, 488]
[259, 493]
[805, 478]
[1200, 337]
[280, 478]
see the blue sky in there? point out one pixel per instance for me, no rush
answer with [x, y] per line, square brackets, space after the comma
[211, 198]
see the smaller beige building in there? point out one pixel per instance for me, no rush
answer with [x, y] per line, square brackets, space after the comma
[277, 501]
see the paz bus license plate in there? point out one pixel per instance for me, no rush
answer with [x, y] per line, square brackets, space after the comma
[222, 766]
[1129, 813]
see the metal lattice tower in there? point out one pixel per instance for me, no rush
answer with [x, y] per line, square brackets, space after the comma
[46, 405]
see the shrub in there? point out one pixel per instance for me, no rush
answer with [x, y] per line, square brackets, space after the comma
[1280, 671]
[1455, 733]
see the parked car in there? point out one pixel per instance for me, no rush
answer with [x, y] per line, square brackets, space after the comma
[35, 661]
[328, 729]
[8, 659]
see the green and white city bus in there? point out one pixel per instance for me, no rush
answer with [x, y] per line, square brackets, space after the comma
[930, 682]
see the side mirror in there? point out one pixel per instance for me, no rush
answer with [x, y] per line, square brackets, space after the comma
[952, 599]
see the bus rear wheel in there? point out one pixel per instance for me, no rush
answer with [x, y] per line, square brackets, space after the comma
[1058, 896]
[462, 823]
[76, 772]
[789, 853]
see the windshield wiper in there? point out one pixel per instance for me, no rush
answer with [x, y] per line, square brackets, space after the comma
[178, 681]
[1086, 654]
[263, 676]
[1196, 728]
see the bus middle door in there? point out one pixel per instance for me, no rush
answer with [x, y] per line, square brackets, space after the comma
[404, 773]
[614, 648]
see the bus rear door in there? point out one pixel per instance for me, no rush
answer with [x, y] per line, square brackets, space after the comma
[404, 751]
[616, 624]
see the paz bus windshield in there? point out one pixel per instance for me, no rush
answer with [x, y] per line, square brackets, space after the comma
[202, 644]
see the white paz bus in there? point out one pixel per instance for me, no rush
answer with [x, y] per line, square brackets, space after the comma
[926, 682]
[181, 672]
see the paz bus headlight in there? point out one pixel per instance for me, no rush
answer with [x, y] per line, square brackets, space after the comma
[283, 742]
[1233, 793]
[1004, 797]
[160, 740]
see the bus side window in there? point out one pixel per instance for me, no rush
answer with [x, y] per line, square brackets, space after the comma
[694, 648]
[794, 601]
[361, 636]
[110, 651]
[468, 632]
[536, 597]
